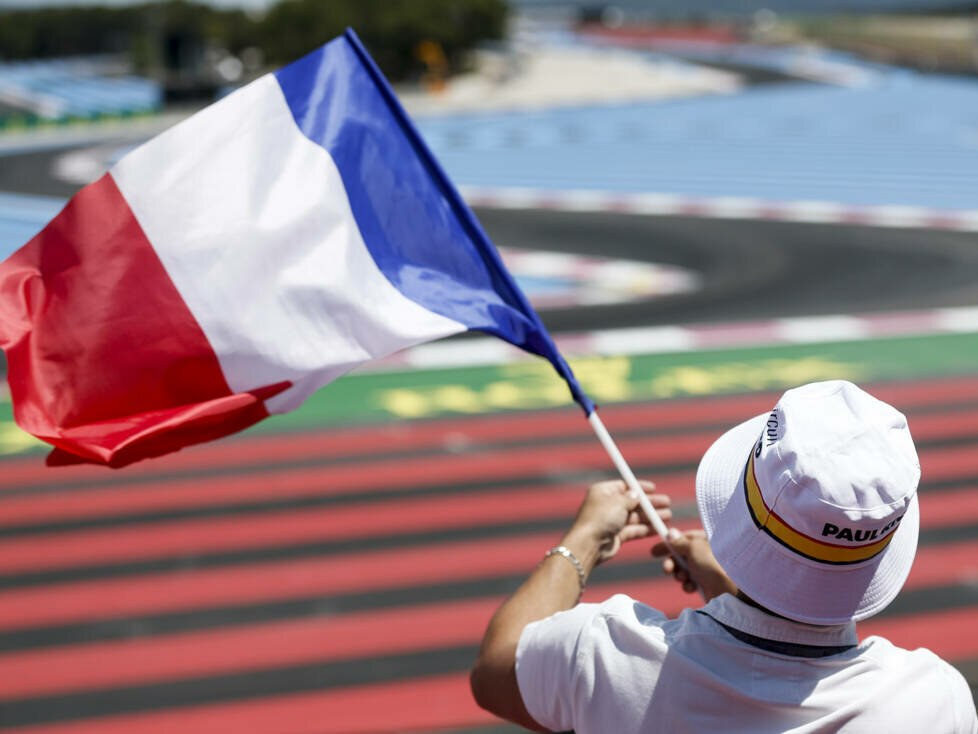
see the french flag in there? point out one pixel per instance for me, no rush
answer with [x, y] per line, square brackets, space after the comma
[238, 262]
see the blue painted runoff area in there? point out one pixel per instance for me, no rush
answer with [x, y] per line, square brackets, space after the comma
[22, 216]
[900, 139]
[74, 87]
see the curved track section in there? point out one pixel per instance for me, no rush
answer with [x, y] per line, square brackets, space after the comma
[754, 269]
[748, 269]
[339, 580]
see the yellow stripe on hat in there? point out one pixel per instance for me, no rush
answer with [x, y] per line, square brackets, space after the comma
[778, 529]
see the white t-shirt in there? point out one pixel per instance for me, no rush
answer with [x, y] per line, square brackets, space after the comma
[621, 667]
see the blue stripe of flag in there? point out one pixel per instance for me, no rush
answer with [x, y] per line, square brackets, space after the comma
[417, 228]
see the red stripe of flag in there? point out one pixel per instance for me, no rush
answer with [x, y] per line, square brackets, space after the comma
[74, 378]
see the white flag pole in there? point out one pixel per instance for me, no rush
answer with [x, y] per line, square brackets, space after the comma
[632, 482]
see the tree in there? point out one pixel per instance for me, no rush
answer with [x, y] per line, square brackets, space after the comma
[167, 33]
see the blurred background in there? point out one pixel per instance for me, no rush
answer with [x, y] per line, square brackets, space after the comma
[708, 201]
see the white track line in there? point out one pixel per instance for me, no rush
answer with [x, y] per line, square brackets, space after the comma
[662, 339]
[722, 207]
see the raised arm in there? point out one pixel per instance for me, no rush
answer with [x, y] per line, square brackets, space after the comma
[607, 518]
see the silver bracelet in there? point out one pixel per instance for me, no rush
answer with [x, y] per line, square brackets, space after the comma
[562, 550]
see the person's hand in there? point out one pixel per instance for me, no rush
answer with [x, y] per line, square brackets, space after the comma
[704, 571]
[610, 515]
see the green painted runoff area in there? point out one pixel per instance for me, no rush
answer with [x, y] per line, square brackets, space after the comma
[371, 397]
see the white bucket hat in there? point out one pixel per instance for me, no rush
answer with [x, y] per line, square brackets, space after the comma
[812, 509]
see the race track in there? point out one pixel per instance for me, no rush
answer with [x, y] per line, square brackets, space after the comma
[322, 578]
[753, 269]
[750, 269]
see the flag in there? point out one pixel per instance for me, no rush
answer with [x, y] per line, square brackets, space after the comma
[236, 263]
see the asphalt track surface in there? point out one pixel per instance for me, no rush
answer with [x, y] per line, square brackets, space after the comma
[750, 269]
[753, 269]
[339, 580]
